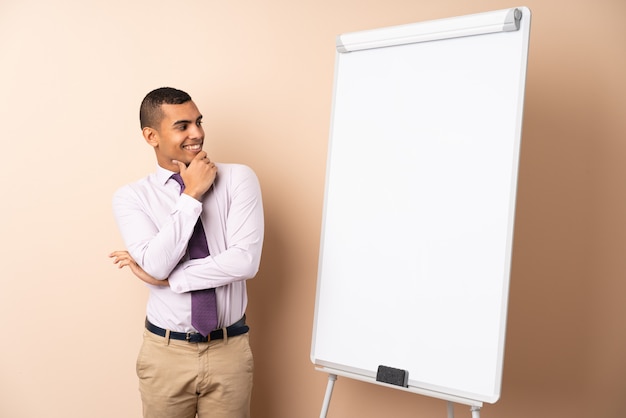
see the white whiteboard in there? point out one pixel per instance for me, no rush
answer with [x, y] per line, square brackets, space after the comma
[419, 206]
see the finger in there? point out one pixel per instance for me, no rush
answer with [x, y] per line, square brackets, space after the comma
[181, 166]
[204, 157]
[124, 263]
[118, 253]
[200, 156]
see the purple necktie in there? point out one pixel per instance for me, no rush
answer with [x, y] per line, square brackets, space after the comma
[203, 302]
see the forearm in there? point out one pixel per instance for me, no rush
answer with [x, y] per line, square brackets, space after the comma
[234, 264]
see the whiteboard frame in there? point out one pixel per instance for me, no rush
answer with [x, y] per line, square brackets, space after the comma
[426, 32]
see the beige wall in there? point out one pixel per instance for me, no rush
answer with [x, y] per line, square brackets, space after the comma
[72, 74]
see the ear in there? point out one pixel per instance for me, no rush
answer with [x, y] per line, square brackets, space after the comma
[151, 136]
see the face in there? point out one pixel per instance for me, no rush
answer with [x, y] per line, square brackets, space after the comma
[179, 137]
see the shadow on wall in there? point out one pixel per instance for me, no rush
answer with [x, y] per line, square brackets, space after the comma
[550, 346]
[266, 294]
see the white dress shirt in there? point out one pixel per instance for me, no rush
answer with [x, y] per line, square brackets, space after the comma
[156, 222]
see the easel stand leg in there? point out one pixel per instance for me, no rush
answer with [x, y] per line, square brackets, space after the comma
[329, 393]
[475, 411]
[450, 409]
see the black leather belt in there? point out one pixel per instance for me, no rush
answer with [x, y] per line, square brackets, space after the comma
[238, 328]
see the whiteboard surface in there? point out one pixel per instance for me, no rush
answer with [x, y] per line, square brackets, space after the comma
[419, 211]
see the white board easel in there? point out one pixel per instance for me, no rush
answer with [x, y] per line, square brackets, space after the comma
[419, 206]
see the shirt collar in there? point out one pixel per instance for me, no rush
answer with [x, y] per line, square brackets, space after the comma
[163, 175]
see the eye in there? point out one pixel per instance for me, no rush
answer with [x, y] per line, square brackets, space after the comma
[182, 127]
[199, 123]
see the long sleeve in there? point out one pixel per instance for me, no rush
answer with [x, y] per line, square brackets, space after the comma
[155, 225]
[156, 222]
[233, 221]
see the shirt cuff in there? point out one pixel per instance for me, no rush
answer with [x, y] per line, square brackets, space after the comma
[189, 205]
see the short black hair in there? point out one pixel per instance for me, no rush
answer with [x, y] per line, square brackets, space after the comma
[150, 113]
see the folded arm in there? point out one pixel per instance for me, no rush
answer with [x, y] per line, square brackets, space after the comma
[156, 241]
[236, 247]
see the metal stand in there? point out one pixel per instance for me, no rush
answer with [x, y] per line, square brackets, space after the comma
[329, 392]
[451, 399]
[474, 409]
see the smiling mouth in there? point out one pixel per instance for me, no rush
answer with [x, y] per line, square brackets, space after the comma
[193, 147]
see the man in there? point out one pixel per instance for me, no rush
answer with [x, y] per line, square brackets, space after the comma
[184, 370]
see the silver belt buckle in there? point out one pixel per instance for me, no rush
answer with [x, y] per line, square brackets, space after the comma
[190, 335]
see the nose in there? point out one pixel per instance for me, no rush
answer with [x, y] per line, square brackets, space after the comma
[197, 131]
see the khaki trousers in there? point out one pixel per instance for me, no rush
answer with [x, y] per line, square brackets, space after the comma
[178, 379]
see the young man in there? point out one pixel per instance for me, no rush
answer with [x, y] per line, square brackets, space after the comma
[187, 367]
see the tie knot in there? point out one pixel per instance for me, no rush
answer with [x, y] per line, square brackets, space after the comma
[179, 180]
